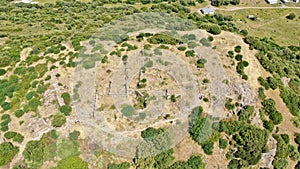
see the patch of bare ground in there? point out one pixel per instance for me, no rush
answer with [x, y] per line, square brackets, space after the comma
[186, 148]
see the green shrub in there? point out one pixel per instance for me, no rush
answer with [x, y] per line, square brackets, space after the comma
[66, 110]
[205, 42]
[239, 57]
[291, 16]
[74, 135]
[230, 54]
[66, 97]
[58, 120]
[5, 106]
[201, 62]
[124, 165]
[214, 29]
[74, 162]
[68, 148]
[190, 53]
[208, 147]
[19, 113]
[15, 136]
[2, 72]
[181, 48]
[35, 154]
[7, 153]
[237, 49]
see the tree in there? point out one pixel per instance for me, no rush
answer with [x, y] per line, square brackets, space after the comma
[214, 29]
[73, 162]
[291, 16]
[35, 153]
[190, 53]
[223, 143]
[276, 117]
[67, 98]
[124, 165]
[272, 82]
[250, 144]
[65, 109]
[58, 120]
[237, 49]
[7, 152]
[297, 138]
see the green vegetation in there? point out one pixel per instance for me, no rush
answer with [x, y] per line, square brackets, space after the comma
[5, 120]
[225, 2]
[282, 153]
[73, 162]
[58, 120]
[128, 110]
[190, 53]
[35, 154]
[201, 62]
[124, 165]
[14, 136]
[223, 143]
[65, 109]
[163, 39]
[194, 161]
[291, 16]
[181, 48]
[205, 42]
[67, 148]
[214, 29]
[67, 98]
[237, 49]
[7, 153]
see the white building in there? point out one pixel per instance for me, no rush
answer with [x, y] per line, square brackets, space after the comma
[272, 1]
[296, 1]
[206, 11]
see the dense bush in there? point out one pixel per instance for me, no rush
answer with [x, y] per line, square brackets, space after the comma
[250, 144]
[194, 162]
[237, 49]
[7, 153]
[201, 62]
[282, 152]
[239, 57]
[205, 42]
[19, 113]
[190, 53]
[68, 148]
[291, 16]
[181, 48]
[163, 39]
[73, 162]
[65, 109]
[66, 97]
[214, 29]
[124, 165]
[58, 120]
[14, 136]
[35, 154]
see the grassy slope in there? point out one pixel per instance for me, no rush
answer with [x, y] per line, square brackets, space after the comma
[271, 23]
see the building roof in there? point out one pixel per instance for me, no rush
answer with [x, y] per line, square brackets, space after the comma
[207, 10]
[272, 1]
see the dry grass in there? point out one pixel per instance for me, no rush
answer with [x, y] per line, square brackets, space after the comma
[270, 23]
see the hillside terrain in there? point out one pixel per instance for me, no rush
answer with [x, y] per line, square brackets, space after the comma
[124, 84]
